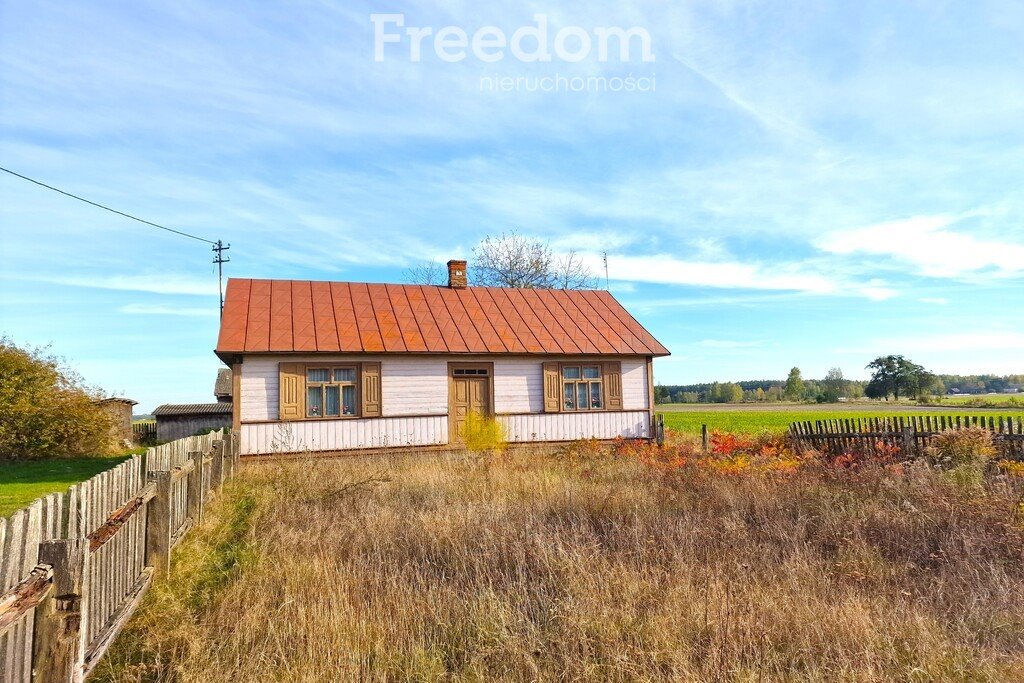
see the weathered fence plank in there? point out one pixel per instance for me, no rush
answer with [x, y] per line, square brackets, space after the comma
[74, 566]
[910, 435]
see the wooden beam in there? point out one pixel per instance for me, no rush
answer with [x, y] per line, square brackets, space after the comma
[25, 595]
[113, 628]
[100, 536]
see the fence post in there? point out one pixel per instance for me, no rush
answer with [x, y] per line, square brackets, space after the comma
[217, 466]
[158, 524]
[55, 649]
[908, 441]
[236, 450]
[229, 456]
[194, 500]
[704, 438]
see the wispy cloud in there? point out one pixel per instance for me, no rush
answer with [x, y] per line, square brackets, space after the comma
[789, 176]
[168, 283]
[780, 276]
[929, 245]
[770, 120]
[188, 312]
[728, 344]
[942, 342]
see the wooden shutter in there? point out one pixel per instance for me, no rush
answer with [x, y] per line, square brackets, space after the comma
[612, 373]
[371, 389]
[552, 388]
[291, 385]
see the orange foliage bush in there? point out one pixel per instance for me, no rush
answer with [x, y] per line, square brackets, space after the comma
[728, 454]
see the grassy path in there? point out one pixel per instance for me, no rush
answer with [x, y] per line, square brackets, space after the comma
[21, 482]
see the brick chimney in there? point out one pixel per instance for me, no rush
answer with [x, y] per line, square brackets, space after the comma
[457, 274]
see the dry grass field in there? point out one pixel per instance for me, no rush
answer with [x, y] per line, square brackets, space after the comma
[587, 566]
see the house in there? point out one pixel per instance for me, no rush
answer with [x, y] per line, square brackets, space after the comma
[176, 421]
[336, 366]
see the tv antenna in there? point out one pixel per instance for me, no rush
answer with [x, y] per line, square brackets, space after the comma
[604, 256]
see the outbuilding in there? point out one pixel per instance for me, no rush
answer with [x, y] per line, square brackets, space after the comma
[340, 366]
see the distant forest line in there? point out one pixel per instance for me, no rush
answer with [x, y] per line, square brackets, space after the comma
[826, 390]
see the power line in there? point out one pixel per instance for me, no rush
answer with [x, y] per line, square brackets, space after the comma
[218, 247]
[107, 208]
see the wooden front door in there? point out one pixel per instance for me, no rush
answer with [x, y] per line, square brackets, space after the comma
[470, 392]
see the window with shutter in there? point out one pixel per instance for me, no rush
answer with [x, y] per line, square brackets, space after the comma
[613, 385]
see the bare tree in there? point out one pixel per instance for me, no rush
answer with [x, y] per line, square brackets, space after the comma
[572, 273]
[426, 273]
[513, 260]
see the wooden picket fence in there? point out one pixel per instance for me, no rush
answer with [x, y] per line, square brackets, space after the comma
[909, 436]
[75, 565]
[143, 432]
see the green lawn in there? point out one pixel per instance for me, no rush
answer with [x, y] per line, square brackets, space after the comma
[753, 418]
[21, 482]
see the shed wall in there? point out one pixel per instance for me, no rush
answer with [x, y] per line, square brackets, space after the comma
[171, 428]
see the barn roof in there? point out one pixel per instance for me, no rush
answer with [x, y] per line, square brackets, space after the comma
[263, 316]
[181, 409]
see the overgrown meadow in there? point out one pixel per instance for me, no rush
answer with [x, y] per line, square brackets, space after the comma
[636, 563]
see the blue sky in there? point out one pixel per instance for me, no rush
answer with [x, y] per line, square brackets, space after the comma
[806, 183]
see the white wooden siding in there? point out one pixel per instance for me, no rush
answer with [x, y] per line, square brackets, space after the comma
[518, 385]
[414, 395]
[409, 386]
[418, 385]
[336, 435]
[572, 426]
[384, 432]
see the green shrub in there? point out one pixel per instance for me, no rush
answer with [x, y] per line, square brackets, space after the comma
[953, 448]
[483, 434]
[45, 408]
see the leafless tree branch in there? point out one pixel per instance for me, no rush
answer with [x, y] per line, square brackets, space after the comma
[513, 260]
[426, 273]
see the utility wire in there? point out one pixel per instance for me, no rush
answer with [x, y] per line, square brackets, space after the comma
[107, 208]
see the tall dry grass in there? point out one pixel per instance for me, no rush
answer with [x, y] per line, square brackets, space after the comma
[586, 567]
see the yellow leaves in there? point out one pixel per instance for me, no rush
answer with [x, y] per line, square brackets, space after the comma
[483, 434]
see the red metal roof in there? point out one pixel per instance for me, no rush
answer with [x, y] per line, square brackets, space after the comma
[301, 316]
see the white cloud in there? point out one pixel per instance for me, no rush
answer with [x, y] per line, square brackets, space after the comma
[727, 344]
[146, 309]
[667, 269]
[591, 240]
[877, 291]
[954, 341]
[154, 283]
[937, 300]
[928, 243]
